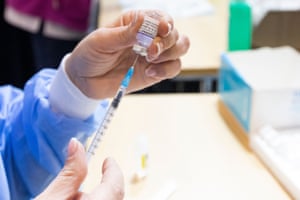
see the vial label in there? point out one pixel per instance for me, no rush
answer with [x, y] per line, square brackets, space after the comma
[145, 35]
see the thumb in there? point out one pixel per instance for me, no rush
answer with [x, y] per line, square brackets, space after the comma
[121, 34]
[68, 181]
[112, 183]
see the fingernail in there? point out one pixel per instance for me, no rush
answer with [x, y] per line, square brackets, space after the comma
[159, 47]
[150, 58]
[73, 145]
[150, 72]
[170, 27]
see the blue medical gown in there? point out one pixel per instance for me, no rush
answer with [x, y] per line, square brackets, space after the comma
[33, 139]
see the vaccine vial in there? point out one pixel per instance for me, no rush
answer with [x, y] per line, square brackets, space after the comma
[146, 34]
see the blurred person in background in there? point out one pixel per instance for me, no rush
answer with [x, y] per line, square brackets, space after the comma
[43, 31]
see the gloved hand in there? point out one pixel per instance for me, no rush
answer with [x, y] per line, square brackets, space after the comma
[99, 62]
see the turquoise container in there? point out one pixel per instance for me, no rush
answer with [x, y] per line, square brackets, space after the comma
[240, 25]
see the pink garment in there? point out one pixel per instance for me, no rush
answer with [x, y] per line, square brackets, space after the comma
[70, 13]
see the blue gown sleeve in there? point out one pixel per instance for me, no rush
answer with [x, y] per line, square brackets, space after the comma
[37, 138]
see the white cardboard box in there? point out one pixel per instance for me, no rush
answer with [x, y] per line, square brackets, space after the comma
[262, 86]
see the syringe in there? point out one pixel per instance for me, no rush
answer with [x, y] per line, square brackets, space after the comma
[110, 112]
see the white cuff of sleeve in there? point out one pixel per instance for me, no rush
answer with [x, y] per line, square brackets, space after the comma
[67, 99]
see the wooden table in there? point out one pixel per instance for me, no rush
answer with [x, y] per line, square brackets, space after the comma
[189, 144]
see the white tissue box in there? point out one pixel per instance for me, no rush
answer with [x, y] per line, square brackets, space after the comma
[261, 87]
